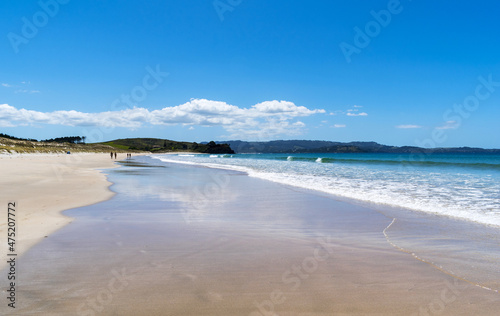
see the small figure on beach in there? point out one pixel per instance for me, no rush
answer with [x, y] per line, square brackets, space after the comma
[111, 155]
[115, 154]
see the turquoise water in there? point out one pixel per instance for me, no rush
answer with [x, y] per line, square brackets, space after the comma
[465, 186]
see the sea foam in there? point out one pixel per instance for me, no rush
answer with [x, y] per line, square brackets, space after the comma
[469, 194]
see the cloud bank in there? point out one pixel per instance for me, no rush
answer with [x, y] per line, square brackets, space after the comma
[266, 119]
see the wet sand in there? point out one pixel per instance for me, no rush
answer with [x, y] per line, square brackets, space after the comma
[185, 240]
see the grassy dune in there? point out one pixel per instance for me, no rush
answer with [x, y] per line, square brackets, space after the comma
[11, 146]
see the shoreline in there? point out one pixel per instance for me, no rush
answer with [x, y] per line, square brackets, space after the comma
[352, 199]
[44, 186]
[406, 217]
[245, 247]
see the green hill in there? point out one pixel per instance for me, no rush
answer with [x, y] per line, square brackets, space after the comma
[157, 145]
[11, 144]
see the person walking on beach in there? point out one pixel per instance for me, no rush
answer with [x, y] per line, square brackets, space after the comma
[111, 155]
[115, 154]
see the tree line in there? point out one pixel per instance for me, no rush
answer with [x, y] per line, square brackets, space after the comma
[66, 139]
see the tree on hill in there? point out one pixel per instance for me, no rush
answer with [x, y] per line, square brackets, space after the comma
[17, 138]
[213, 148]
[67, 139]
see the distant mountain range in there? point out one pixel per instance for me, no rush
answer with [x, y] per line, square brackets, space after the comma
[76, 143]
[317, 146]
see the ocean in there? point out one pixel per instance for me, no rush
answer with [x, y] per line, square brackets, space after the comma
[461, 186]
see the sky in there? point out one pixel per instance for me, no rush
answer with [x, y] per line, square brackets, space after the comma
[418, 73]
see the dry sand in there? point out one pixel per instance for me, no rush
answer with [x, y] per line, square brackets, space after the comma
[44, 185]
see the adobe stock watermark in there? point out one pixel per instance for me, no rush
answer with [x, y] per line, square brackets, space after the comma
[448, 295]
[293, 277]
[438, 305]
[460, 112]
[362, 37]
[223, 6]
[455, 116]
[105, 295]
[48, 9]
[200, 199]
[268, 130]
[61, 169]
[151, 80]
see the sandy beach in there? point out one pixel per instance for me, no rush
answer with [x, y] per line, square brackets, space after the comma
[186, 240]
[44, 185]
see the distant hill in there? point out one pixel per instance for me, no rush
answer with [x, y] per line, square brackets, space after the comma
[317, 146]
[18, 145]
[11, 144]
[157, 145]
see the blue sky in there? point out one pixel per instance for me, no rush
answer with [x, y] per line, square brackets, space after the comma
[396, 72]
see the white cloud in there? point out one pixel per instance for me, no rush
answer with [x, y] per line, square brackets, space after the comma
[299, 124]
[284, 108]
[339, 125]
[265, 120]
[357, 114]
[350, 112]
[449, 125]
[408, 126]
[26, 91]
[7, 85]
